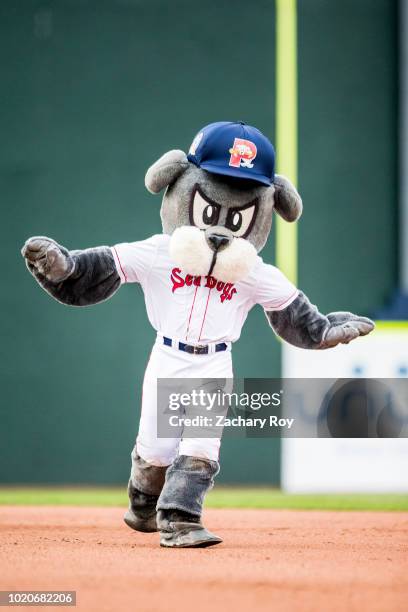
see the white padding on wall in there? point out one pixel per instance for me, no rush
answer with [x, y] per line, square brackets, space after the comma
[348, 465]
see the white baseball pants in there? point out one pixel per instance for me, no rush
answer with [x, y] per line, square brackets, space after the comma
[169, 362]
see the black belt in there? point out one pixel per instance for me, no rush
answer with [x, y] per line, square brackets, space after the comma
[198, 349]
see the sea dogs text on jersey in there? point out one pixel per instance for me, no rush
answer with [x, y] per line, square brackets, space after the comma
[226, 290]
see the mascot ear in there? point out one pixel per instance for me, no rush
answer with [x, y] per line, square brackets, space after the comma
[287, 201]
[165, 171]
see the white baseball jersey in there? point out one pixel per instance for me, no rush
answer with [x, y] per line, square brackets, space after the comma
[199, 309]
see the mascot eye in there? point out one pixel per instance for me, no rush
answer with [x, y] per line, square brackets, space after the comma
[240, 220]
[236, 221]
[210, 214]
[205, 213]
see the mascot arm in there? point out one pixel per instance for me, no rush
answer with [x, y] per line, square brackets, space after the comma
[302, 325]
[76, 278]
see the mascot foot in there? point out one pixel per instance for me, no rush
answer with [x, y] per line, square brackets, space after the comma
[141, 515]
[183, 530]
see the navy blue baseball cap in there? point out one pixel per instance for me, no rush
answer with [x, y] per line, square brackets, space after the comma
[233, 148]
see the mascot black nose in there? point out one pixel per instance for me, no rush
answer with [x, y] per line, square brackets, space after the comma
[218, 241]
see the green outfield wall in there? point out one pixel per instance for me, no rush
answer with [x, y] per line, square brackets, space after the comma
[92, 92]
[348, 152]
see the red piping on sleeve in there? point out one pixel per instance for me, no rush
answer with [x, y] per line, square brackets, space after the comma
[120, 264]
[287, 301]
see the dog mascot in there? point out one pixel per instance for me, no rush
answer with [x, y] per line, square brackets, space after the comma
[200, 278]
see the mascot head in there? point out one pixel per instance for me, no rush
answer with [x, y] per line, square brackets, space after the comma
[219, 200]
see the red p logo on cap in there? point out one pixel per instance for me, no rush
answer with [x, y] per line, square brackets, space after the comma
[243, 153]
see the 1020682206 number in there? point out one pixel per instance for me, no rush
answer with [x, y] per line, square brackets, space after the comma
[39, 598]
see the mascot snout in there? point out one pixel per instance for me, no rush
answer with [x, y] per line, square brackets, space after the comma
[201, 253]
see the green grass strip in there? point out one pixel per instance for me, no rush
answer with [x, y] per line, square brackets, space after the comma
[220, 497]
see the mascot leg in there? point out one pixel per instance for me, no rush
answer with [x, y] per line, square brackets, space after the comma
[145, 485]
[180, 503]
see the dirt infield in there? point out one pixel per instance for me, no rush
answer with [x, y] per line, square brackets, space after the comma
[270, 560]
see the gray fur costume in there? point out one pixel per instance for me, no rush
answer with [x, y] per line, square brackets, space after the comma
[170, 499]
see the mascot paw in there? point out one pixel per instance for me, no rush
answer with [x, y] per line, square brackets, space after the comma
[345, 327]
[44, 256]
